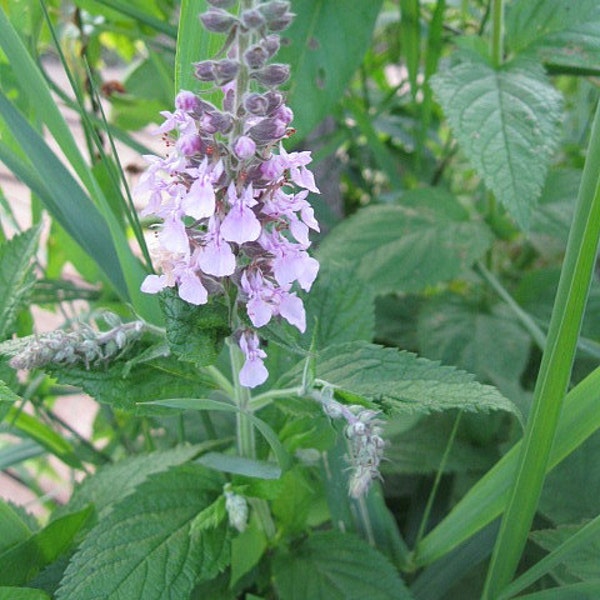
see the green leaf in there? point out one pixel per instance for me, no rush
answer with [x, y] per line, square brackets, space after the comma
[582, 563]
[561, 34]
[22, 562]
[143, 548]
[111, 483]
[336, 566]
[402, 382]
[11, 593]
[324, 46]
[337, 310]
[426, 240]
[488, 343]
[16, 277]
[134, 388]
[13, 530]
[7, 399]
[240, 465]
[506, 122]
[14, 454]
[588, 590]
[530, 20]
[572, 491]
[195, 333]
[246, 551]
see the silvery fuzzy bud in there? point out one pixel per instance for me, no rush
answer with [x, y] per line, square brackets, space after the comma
[216, 121]
[255, 57]
[256, 104]
[204, 70]
[237, 510]
[272, 75]
[225, 71]
[268, 131]
[222, 3]
[252, 19]
[274, 9]
[281, 23]
[271, 44]
[218, 20]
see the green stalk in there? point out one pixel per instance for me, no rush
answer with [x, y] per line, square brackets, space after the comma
[555, 372]
[245, 428]
[497, 32]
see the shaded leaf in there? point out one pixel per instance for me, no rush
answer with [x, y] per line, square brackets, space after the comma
[143, 549]
[12, 593]
[426, 240]
[506, 122]
[336, 566]
[324, 46]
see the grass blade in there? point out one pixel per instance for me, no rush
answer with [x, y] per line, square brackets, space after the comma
[555, 373]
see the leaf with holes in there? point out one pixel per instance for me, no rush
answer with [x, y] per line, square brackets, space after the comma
[324, 47]
[506, 121]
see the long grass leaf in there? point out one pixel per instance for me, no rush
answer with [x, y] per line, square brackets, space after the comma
[554, 375]
[488, 497]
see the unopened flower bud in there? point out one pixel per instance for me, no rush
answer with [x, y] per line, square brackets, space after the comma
[187, 101]
[244, 147]
[252, 19]
[215, 120]
[255, 57]
[218, 20]
[273, 75]
[284, 113]
[268, 131]
[189, 145]
[204, 70]
[256, 104]
[271, 44]
[281, 23]
[225, 71]
[274, 9]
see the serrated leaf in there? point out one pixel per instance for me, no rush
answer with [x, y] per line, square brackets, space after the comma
[506, 121]
[195, 333]
[210, 517]
[336, 566]
[143, 549]
[324, 47]
[405, 248]
[16, 276]
[111, 483]
[134, 388]
[401, 381]
[22, 562]
[337, 311]
[488, 343]
[246, 551]
[7, 399]
[530, 20]
[582, 563]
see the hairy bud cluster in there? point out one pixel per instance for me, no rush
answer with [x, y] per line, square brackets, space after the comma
[364, 433]
[237, 508]
[232, 202]
[86, 345]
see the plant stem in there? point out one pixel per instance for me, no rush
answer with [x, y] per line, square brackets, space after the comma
[245, 429]
[497, 32]
[554, 376]
[438, 478]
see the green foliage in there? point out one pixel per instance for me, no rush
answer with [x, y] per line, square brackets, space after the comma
[341, 567]
[11, 593]
[195, 333]
[404, 249]
[324, 47]
[506, 121]
[126, 554]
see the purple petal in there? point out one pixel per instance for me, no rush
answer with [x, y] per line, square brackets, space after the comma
[292, 310]
[259, 311]
[200, 200]
[154, 284]
[240, 225]
[191, 289]
[217, 259]
[253, 373]
[173, 236]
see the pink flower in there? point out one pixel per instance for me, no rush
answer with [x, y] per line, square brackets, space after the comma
[253, 372]
[244, 147]
[216, 257]
[240, 225]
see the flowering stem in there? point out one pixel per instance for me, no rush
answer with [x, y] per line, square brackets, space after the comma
[241, 395]
[498, 32]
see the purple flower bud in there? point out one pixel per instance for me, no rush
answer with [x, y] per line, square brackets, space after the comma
[273, 75]
[217, 121]
[274, 9]
[244, 147]
[204, 70]
[255, 57]
[268, 131]
[256, 104]
[225, 71]
[190, 144]
[271, 44]
[252, 19]
[275, 100]
[281, 23]
[187, 101]
[218, 20]
[284, 113]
